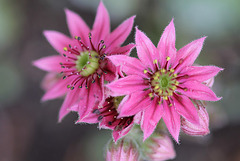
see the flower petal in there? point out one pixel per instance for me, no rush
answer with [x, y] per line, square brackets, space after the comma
[101, 26]
[77, 26]
[57, 40]
[200, 73]
[56, 91]
[110, 71]
[129, 65]
[188, 54]
[127, 85]
[125, 50]
[50, 63]
[134, 103]
[145, 49]
[198, 91]
[70, 99]
[119, 134]
[151, 117]
[166, 44]
[119, 35]
[172, 120]
[185, 108]
[90, 97]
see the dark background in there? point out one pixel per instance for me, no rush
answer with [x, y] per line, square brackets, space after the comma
[28, 128]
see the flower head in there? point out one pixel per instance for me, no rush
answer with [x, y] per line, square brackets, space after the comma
[163, 83]
[124, 150]
[82, 61]
[158, 147]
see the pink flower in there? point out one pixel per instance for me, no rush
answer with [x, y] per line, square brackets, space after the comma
[163, 83]
[82, 60]
[124, 150]
[159, 147]
[200, 129]
[107, 117]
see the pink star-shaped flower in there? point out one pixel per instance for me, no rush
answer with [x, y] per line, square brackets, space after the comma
[163, 83]
[82, 61]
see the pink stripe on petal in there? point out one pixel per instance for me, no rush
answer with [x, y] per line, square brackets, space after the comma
[101, 26]
[77, 26]
[200, 73]
[57, 40]
[151, 117]
[50, 63]
[135, 103]
[127, 85]
[172, 120]
[145, 49]
[198, 91]
[166, 44]
[189, 53]
[129, 65]
[119, 35]
[185, 108]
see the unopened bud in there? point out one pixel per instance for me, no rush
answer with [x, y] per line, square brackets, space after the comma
[158, 147]
[200, 129]
[124, 150]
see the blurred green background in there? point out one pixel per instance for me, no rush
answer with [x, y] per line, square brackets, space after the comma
[28, 128]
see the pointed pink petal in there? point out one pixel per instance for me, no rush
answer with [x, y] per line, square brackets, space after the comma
[145, 49]
[129, 65]
[111, 71]
[70, 99]
[185, 108]
[151, 117]
[125, 50]
[49, 80]
[90, 97]
[101, 26]
[91, 119]
[166, 44]
[172, 120]
[135, 103]
[119, 35]
[59, 89]
[77, 26]
[57, 40]
[119, 134]
[50, 63]
[198, 91]
[127, 85]
[188, 54]
[200, 73]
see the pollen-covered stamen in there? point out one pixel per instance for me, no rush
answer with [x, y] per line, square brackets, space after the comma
[163, 84]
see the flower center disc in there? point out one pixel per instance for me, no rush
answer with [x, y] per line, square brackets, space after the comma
[87, 63]
[163, 83]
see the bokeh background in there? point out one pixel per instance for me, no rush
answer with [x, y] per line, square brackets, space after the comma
[28, 128]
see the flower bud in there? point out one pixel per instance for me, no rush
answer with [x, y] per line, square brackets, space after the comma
[200, 129]
[158, 147]
[124, 150]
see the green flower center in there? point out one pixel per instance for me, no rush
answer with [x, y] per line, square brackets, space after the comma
[163, 83]
[117, 101]
[87, 63]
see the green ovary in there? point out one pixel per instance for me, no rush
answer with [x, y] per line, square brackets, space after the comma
[87, 63]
